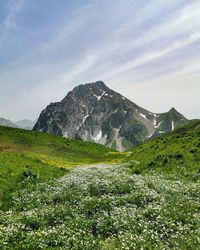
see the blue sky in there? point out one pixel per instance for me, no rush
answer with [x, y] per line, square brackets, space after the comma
[148, 50]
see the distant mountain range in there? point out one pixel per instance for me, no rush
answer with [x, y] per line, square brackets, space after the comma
[25, 124]
[93, 112]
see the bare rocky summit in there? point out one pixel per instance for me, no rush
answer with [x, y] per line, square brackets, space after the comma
[93, 112]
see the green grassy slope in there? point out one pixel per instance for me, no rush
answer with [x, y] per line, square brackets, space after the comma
[104, 206]
[40, 157]
[175, 153]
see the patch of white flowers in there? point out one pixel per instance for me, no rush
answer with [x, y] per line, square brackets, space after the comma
[104, 207]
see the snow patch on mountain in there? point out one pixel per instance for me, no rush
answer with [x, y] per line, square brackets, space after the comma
[144, 116]
[99, 97]
[97, 137]
[156, 126]
[154, 122]
[96, 113]
[65, 134]
[172, 125]
[150, 135]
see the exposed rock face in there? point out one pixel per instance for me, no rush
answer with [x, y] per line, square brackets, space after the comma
[93, 112]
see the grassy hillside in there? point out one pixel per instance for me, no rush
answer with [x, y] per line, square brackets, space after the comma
[27, 157]
[175, 153]
[153, 206]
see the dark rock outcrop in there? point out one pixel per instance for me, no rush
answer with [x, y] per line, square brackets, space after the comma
[93, 112]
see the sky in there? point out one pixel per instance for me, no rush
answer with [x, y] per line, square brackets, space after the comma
[147, 50]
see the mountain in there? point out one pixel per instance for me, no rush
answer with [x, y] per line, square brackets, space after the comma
[93, 112]
[26, 124]
[8, 123]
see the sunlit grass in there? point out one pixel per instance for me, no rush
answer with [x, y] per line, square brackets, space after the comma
[177, 153]
[104, 207]
[48, 156]
[150, 201]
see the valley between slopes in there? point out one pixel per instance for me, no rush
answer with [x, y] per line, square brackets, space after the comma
[58, 193]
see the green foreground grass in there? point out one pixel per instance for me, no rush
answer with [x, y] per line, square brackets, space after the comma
[104, 207]
[27, 156]
[149, 200]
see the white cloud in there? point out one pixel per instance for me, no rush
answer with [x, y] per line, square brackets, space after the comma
[154, 55]
[181, 22]
[119, 42]
[9, 23]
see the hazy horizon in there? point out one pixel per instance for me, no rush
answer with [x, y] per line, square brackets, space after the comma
[148, 50]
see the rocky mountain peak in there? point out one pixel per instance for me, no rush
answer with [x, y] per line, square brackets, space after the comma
[96, 85]
[96, 113]
[173, 111]
[95, 89]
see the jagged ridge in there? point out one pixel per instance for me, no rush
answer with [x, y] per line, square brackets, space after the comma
[94, 112]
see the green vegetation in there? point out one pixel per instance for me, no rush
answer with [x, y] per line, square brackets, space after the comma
[176, 154]
[46, 155]
[149, 199]
[104, 207]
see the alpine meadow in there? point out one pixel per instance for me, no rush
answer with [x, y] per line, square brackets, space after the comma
[99, 125]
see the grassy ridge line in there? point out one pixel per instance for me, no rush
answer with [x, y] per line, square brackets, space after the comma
[175, 153]
[23, 140]
[45, 155]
